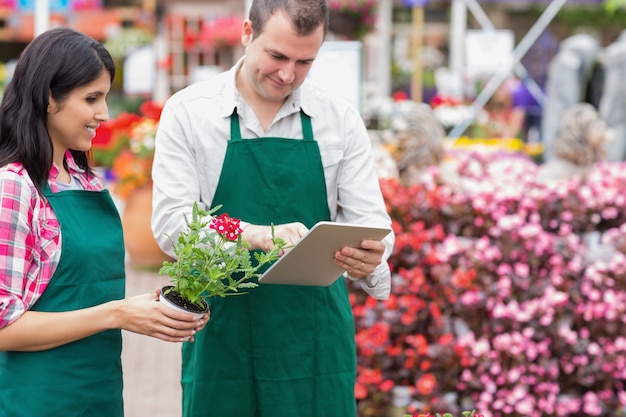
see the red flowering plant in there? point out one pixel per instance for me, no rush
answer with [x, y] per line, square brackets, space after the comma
[406, 343]
[223, 31]
[212, 260]
[125, 145]
[508, 295]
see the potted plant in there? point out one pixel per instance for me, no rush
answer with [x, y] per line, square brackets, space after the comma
[212, 260]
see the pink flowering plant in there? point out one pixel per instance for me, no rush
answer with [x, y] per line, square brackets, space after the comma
[508, 295]
[212, 260]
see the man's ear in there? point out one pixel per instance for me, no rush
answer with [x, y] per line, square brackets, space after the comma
[246, 32]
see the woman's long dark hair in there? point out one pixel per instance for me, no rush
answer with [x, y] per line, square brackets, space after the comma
[53, 64]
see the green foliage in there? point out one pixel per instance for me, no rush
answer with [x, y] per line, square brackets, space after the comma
[209, 265]
[612, 6]
[126, 40]
[580, 16]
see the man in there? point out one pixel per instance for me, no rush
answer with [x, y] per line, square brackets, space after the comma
[269, 146]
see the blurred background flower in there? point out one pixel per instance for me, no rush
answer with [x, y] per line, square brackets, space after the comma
[352, 18]
[124, 146]
[509, 295]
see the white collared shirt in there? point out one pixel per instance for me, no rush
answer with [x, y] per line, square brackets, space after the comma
[191, 144]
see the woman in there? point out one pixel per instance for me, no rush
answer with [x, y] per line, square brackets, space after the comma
[61, 250]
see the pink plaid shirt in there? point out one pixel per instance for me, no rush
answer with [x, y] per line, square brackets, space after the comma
[30, 237]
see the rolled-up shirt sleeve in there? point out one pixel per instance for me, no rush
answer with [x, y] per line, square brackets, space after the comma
[377, 284]
[26, 240]
[359, 199]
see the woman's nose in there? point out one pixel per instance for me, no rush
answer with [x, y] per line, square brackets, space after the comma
[103, 113]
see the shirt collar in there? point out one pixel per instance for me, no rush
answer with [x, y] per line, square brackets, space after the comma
[231, 95]
[71, 165]
[298, 100]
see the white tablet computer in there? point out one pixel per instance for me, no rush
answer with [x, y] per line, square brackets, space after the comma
[310, 261]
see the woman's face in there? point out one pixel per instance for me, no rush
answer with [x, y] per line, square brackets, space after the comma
[72, 123]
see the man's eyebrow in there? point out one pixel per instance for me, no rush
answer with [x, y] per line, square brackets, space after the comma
[279, 54]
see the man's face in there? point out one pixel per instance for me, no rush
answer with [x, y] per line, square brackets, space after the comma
[278, 60]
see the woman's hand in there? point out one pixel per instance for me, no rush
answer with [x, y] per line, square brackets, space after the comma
[143, 314]
[40, 330]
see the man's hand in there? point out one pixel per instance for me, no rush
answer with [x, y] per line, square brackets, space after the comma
[260, 237]
[360, 262]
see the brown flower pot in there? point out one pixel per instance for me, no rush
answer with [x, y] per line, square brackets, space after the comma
[141, 246]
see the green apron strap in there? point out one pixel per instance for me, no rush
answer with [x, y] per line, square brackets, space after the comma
[307, 128]
[235, 130]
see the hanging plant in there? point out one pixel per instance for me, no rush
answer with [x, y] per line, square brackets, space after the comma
[352, 18]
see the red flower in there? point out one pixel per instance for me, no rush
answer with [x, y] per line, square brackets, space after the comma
[400, 96]
[446, 339]
[223, 31]
[151, 109]
[109, 131]
[123, 122]
[226, 226]
[125, 144]
[426, 384]
[440, 100]
[104, 134]
[165, 63]
[360, 391]
[387, 385]
[190, 39]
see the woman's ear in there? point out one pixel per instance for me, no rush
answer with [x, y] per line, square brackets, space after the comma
[52, 104]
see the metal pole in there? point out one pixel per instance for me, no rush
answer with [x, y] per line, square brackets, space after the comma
[384, 37]
[418, 35]
[161, 91]
[520, 71]
[521, 49]
[42, 16]
[458, 28]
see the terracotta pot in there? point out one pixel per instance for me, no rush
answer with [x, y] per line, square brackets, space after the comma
[142, 249]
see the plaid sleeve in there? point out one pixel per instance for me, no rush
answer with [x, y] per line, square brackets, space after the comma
[24, 244]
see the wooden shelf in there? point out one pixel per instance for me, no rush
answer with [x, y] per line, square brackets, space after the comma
[20, 26]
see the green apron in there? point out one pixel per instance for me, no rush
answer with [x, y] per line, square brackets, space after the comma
[278, 351]
[83, 378]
